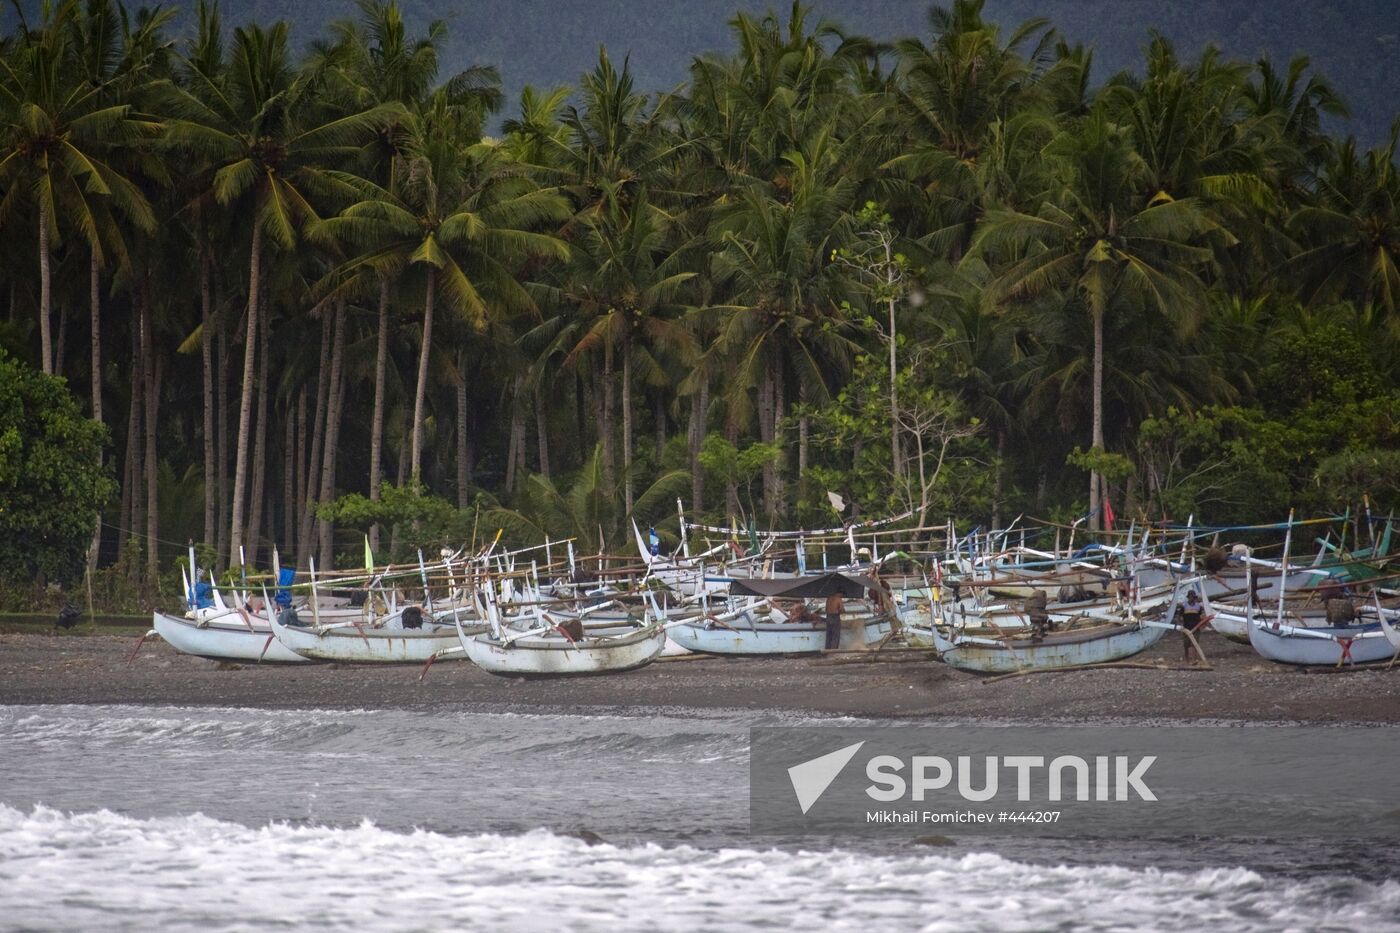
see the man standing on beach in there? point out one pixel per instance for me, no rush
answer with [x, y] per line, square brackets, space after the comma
[834, 607]
[1192, 619]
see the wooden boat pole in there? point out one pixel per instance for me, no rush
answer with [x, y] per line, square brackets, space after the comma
[315, 599]
[1283, 572]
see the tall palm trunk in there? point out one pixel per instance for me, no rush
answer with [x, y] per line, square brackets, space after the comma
[125, 527]
[463, 446]
[152, 414]
[803, 433]
[1095, 480]
[221, 452]
[376, 431]
[318, 433]
[258, 498]
[999, 483]
[699, 406]
[337, 395]
[513, 444]
[627, 472]
[138, 404]
[296, 486]
[130, 508]
[206, 352]
[245, 402]
[779, 413]
[299, 475]
[731, 486]
[605, 420]
[541, 432]
[288, 497]
[95, 307]
[45, 291]
[420, 393]
[767, 392]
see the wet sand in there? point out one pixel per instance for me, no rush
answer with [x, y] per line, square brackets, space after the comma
[93, 669]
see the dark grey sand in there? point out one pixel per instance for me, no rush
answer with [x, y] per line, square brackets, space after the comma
[39, 668]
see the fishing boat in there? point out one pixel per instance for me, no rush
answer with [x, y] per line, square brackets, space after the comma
[1334, 645]
[383, 640]
[552, 652]
[987, 651]
[1287, 643]
[744, 632]
[233, 635]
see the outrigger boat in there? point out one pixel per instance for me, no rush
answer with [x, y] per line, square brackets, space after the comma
[552, 649]
[378, 641]
[742, 632]
[1360, 643]
[231, 635]
[984, 651]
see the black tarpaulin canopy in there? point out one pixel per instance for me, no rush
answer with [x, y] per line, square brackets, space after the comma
[852, 586]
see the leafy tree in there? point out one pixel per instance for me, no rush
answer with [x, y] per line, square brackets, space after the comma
[1099, 245]
[52, 484]
[266, 129]
[61, 123]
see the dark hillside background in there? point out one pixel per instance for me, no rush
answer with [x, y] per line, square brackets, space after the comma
[1356, 43]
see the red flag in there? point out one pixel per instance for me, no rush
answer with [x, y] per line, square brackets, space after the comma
[1107, 514]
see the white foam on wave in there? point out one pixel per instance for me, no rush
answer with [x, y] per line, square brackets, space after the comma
[100, 870]
[125, 727]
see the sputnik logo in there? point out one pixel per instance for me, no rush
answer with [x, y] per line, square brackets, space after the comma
[811, 778]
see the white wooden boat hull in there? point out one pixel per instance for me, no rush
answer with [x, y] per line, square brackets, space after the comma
[743, 636]
[1287, 644]
[226, 637]
[1234, 580]
[1056, 650]
[365, 644]
[556, 656]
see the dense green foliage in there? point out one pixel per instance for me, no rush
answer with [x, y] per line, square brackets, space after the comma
[51, 486]
[961, 273]
[546, 43]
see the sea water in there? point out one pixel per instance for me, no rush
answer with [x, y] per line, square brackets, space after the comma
[139, 818]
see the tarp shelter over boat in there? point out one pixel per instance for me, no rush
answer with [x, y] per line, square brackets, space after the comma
[851, 586]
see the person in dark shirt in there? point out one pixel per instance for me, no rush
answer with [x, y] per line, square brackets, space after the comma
[835, 605]
[1191, 616]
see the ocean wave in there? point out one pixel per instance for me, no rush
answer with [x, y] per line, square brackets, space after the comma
[82, 727]
[103, 871]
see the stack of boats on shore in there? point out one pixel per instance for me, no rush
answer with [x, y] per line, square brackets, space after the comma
[989, 603]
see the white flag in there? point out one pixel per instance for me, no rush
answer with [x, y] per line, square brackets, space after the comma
[837, 502]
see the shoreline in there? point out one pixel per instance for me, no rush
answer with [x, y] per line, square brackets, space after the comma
[44, 669]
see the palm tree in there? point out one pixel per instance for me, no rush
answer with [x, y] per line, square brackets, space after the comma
[1351, 231]
[782, 321]
[63, 121]
[460, 213]
[1097, 242]
[954, 106]
[627, 281]
[379, 64]
[265, 127]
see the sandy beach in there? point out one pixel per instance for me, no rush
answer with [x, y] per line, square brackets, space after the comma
[93, 669]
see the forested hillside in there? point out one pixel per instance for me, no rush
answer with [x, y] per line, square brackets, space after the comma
[324, 278]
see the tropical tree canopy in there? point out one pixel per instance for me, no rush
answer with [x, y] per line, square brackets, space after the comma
[322, 285]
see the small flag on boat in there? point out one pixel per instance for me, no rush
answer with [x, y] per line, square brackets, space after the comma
[1107, 514]
[369, 557]
[653, 541]
[837, 503]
